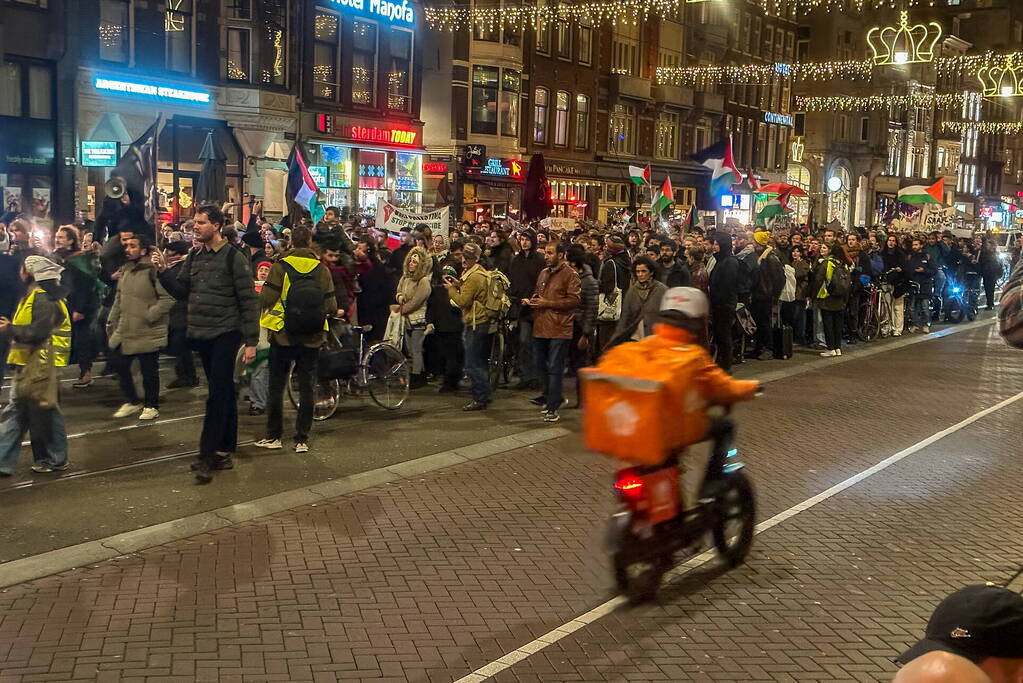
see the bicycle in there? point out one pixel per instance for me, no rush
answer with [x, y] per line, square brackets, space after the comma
[502, 354]
[381, 370]
[876, 320]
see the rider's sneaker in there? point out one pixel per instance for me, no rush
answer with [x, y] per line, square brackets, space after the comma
[270, 444]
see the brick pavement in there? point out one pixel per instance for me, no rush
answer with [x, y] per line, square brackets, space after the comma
[429, 578]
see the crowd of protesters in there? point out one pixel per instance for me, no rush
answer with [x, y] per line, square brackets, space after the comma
[219, 288]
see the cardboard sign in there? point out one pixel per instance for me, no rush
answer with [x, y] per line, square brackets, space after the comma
[392, 219]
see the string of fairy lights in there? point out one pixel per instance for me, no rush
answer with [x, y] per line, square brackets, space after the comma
[993, 127]
[880, 102]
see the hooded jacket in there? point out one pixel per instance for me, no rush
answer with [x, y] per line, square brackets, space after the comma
[414, 287]
[724, 279]
[138, 320]
[524, 270]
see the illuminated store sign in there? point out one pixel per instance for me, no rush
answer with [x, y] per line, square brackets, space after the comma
[435, 167]
[780, 119]
[327, 123]
[99, 153]
[394, 12]
[151, 90]
[509, 168]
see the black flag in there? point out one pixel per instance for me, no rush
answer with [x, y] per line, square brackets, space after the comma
[137, 167]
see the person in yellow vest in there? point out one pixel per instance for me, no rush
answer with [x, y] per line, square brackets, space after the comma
[40, 342]
[296, 299]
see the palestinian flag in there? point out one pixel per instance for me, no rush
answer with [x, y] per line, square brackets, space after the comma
[776, 207]
[751, 179]
[922, 194]
[639, 175]
[302, 189]
[662, 197]
[724, 173]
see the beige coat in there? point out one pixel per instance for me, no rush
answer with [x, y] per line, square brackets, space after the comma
[138, 320]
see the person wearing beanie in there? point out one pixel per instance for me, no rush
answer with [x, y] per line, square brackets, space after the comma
[40, 341]
[523, 273]
[445, 320]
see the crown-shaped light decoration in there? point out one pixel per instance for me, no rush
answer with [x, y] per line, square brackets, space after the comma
[1005, 79]
[904, 44]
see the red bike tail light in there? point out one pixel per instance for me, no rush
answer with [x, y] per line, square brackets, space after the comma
[629, 485]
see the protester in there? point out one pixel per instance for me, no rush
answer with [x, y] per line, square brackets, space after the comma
[671, 271]
[412, 295]
[376, 290]
[469, 294]
[446, 322]
[582, 351]
[831, 299]
[177, 322]
[81, 281]
[765, 293]
[724, 297]
[523, 273]
[642, 303]
[924, 274]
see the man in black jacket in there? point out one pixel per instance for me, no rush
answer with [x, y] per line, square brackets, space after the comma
[724, 283]
[523, 271]
[766, 290]
[670, 270]
[223, 313]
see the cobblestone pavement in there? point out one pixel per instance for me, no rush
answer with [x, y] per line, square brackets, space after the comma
[428, 579]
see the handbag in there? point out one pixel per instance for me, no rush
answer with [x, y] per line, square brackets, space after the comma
[609, 306]
[417, 318]
[395, 330]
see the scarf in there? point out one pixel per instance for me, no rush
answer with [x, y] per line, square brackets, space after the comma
[643, 288]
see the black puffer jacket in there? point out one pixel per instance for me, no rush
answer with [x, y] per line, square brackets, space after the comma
[724, 279]
[217, 304]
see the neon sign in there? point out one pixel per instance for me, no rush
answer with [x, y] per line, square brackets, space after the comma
[435, 167]
[327, 123]
[780, 119]
[151, 90]
[394, 12]
[509, 168]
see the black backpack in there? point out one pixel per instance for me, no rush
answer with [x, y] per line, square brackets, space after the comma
[841, 281]
[303, 307]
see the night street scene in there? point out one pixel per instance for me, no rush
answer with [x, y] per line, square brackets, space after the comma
[511, 341]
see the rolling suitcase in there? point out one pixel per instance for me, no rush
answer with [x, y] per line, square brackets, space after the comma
[782, 342]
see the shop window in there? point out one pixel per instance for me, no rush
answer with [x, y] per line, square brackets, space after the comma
[40, 92]
[585, 45]
[326, 81]
[399, 80]
[239, 56]
[372, 178]
[582, 121]
[179, 31]
[484, 99]
[10, 86]
[408, 179]
[510, 86]
[564, 34]
[114, 23]
[541, 102]
[181, 141]
[561, 119]
[364, 63]
[622, 129]
[667, 136]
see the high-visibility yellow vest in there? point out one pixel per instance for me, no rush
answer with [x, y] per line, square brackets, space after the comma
[60, 337]
[273, 318]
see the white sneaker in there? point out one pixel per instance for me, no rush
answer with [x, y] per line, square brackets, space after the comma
[829, 354]
[838, 352]
[272, 444]
[149, 414]
[127, 409]
[301, 447]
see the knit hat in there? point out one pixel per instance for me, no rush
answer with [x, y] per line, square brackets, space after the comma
[42, 269]
[268, 264]
[762, 237]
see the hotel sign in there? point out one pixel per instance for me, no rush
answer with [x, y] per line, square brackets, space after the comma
[392, 12]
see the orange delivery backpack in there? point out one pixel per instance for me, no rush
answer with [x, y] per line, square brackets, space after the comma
[641, 402]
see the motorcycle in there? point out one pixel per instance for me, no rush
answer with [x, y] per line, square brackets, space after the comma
[652, 525]
[963, 298]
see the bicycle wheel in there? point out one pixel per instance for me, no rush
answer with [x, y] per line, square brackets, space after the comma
[326, 396]
[496, 362]
[885, 317]
[387, 376]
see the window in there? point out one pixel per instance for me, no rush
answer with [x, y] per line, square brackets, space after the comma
[865, 129]
[772, 142]
[238, 9]
[564, 39]
[841, 127]
[489, 32]
[326, 80]
[484, 99]
[667, 135]
[512, 34]
[622, 129]
[543, 38]
[10, 86]
[561, 119]
[178, 30]
[701, 135]
[114, 41]
[625, 50]
[364, 63]
[745, 33]
[272, 39]
[399, 78]
[760, 148]
[582, 121]
[768, 43]
[541, 97]
[585, 45]
[511, 84]
[40, 92]
[238, 54]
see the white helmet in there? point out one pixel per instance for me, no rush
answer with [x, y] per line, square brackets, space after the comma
[689, 301]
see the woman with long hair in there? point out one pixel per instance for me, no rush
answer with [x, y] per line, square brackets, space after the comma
[832, 306]
[411, 297]
[895, 274]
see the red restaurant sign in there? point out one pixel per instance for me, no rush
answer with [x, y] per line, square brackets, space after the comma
[327, 123]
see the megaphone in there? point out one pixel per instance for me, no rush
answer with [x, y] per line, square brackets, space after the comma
[115, 187]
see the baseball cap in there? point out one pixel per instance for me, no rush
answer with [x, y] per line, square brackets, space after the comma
[975, 622]
[689, 301]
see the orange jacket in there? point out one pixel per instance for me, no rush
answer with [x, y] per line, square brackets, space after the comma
[716, 386]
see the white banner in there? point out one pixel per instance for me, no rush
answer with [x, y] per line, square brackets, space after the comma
[393, 219]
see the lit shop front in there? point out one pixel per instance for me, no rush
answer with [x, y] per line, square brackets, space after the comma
[358, 165]
[493, 190]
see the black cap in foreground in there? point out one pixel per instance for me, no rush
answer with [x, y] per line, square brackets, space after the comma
[975, 622]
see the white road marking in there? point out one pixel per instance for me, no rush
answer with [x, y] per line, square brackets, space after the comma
[138, 424]
[505, 662]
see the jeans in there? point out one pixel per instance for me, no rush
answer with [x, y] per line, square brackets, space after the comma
[921, 313]
[550, 364]
[220, 424]
[5, 346]
[150, 368]
[414, 338]
[47, 433]
[281, 360]
[259, 385]
[525, 360]
[184, 364]
[818, 326]
[477, 356]
[832, 321]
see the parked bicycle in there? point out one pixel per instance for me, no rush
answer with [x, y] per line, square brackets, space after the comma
[502, 353]
[350, 368]
[877, 314]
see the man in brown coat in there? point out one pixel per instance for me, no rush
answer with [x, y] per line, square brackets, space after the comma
[554, 303]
